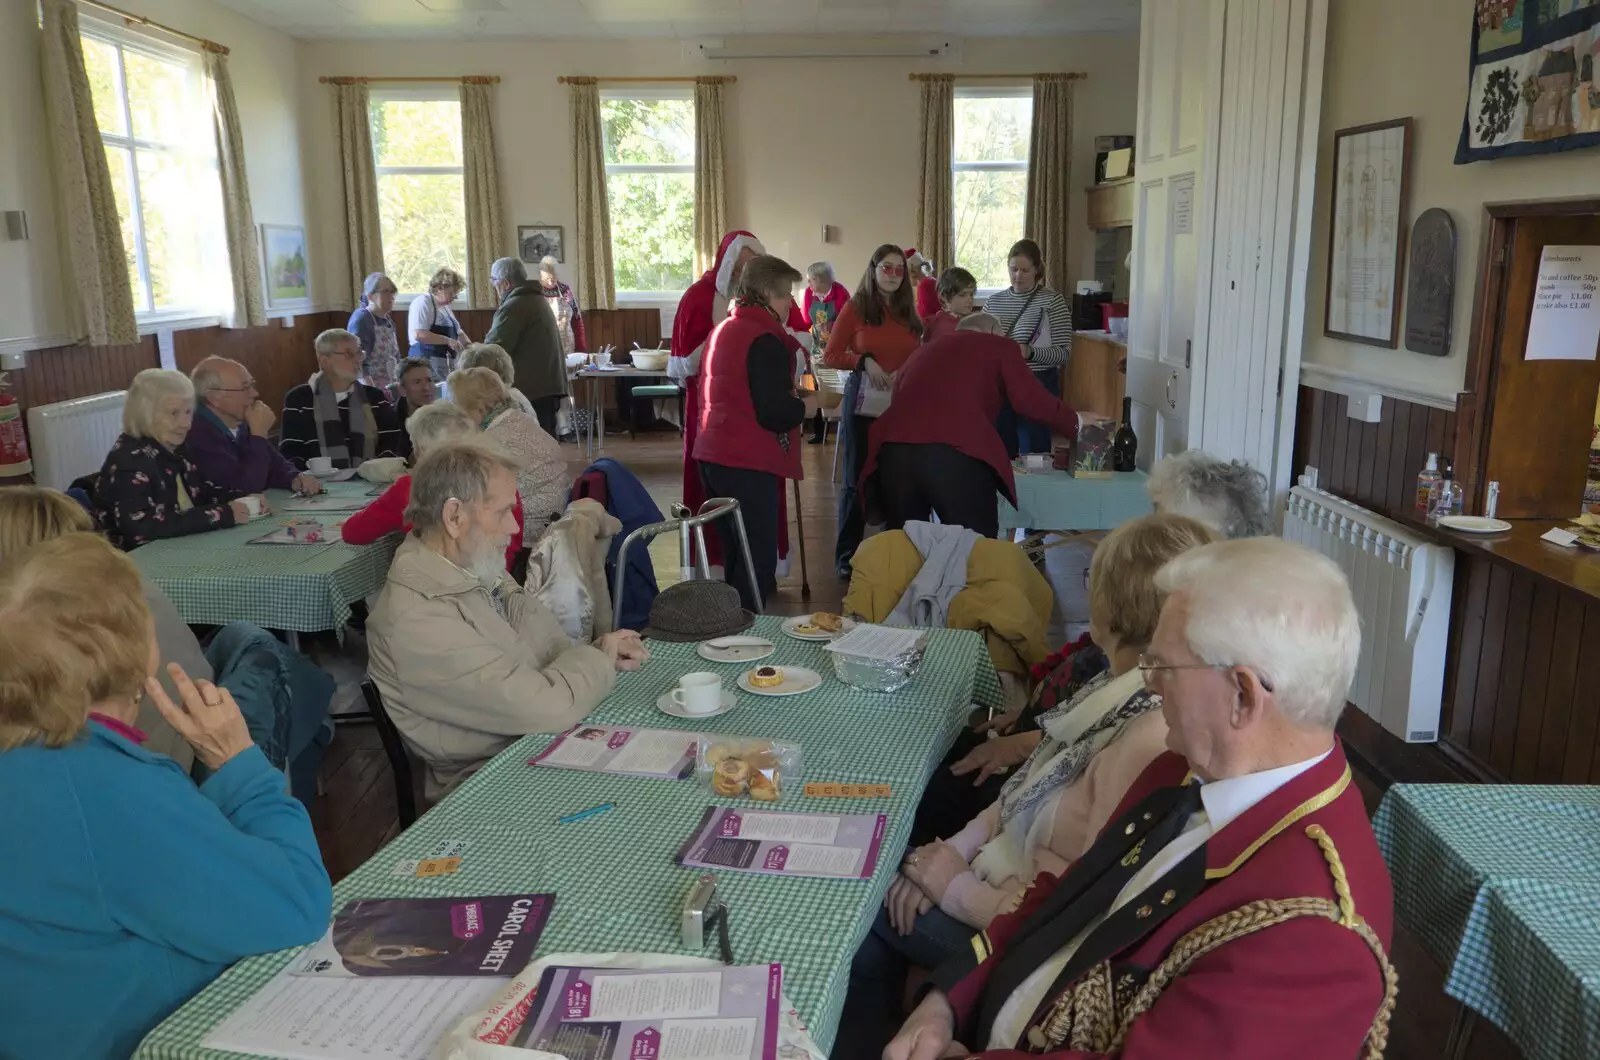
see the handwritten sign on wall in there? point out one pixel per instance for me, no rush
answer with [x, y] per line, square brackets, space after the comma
[1565, 325]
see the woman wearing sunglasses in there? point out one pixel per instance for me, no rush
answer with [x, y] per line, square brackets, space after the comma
[876, 333]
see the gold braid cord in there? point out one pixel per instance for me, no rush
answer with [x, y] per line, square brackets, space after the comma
[1085, 1016]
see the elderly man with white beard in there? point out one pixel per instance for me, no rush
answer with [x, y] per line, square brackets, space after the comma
[466, 661]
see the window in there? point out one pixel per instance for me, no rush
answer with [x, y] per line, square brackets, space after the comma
[151, 104]
[650, 186]
[422, 213]
[990, 178]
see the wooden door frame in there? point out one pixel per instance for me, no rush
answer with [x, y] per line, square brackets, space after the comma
[1475, 403]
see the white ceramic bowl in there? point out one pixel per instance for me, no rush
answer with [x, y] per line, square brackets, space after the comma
[650, 360]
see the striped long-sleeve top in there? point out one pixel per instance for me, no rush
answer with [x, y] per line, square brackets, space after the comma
[1045, 324]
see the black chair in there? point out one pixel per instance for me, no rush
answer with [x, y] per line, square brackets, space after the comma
[394, 748]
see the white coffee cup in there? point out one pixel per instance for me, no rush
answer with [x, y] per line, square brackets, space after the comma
[699, 692]
[252, 504]
[319, 465]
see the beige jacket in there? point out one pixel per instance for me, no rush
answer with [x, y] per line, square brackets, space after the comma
[567, 569]
[460, 681]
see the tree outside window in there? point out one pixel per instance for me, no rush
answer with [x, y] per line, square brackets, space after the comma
[155, 122]
[416, 150]
[649, 153]
[990, 178]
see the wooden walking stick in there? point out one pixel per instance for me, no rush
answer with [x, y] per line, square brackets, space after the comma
[800, 532]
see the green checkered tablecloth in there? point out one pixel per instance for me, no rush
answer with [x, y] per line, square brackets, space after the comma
[219, 577]
[616, 884]
[1054, 500]
[1502, 885]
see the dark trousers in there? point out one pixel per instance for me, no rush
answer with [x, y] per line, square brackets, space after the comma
[757, 493]
[852, 518]
[914, 480]
[545, 409]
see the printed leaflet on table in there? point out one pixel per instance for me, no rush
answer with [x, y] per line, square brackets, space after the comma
[656, 1014]
[665, 753]
[786, 844]
[495, 935]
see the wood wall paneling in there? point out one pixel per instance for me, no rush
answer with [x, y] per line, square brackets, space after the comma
[622, 328]
[67, 372]
[1373, 464]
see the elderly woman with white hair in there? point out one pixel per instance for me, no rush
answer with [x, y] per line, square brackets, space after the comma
[542, 482]
[496, 359]
[429, 427]
[374, 327]
[525, 328]
[564, 304]
[1227, 495]
[148, 488]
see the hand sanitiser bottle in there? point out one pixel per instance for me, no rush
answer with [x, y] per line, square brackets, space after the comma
[1426, 480]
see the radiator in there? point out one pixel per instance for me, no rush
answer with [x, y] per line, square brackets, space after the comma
[71, 438]
[1401, 583]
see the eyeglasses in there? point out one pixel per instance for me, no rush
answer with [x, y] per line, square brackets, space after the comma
[249, 384]
[891, 270]
[1151, 664]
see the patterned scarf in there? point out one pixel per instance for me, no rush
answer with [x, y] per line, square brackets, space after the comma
[337, 437]
[1055, 764]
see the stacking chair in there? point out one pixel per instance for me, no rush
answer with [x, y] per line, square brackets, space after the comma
[394, 748]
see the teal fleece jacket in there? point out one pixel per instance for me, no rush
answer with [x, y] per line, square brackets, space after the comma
[127, 888]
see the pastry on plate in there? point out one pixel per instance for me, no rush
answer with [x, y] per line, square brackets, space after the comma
[766, 677]
[827, 621]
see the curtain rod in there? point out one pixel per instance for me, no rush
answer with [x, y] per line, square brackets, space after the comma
[139, 20]
[467, 79]
[568, 80]
[998, 77]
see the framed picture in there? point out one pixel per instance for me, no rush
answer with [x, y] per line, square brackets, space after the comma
[539, 241]
[1371, 185]
[287, 278]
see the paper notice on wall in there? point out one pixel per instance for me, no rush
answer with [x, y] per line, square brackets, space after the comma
[1565, 325]
[1183, 206]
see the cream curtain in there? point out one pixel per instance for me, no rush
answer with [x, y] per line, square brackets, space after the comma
[597, 285]
[352, 126]
[1050, 175]
[710, 179]
[935, 202]
[486, 232]
[246, 305]
[100, 307]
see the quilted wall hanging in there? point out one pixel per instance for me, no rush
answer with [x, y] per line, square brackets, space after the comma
[1533, 86]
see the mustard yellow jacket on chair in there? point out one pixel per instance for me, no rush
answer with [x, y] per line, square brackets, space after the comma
[1006, 599]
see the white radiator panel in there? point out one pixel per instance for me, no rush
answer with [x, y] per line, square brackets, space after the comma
[71, 438]
[1402, 585]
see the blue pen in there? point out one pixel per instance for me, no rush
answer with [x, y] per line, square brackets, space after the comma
[581, 814]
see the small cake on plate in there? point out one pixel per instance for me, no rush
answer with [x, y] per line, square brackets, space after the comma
[826, 621]
[766, 677]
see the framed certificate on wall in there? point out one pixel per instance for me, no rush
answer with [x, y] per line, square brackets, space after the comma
[1366, 245]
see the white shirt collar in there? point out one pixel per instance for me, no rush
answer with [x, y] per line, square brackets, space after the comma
[1227, 800]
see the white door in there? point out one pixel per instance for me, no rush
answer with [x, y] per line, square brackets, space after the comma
[1179, 70]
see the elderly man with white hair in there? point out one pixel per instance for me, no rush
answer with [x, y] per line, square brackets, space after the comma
[230, 439]
[334, 414]
[525, 328]
[1227, 495]
[467, 661]
[1236, 905]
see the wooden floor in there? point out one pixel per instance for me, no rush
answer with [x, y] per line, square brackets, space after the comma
[356, 815]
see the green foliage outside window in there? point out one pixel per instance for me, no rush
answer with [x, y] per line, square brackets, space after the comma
[990, 204]
[652, 212]
[422, 209]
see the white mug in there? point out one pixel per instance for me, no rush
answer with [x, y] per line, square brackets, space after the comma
[319, 465]
[699, 692]
[252, 504]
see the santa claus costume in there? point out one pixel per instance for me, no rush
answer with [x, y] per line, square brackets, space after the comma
[927, 284]
[703, 306]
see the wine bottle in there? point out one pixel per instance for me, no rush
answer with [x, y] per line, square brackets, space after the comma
[1125, 444]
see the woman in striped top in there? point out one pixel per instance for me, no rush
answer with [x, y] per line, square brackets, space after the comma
[1040, 320]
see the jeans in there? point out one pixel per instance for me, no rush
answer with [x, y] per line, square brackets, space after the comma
[757, 493]
[1033, 437]
[852, 518]
[284, 698]
[873, 1008]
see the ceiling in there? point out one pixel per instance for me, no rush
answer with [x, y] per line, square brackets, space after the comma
[528, 19]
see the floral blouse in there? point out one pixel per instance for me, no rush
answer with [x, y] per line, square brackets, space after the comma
[145, 492]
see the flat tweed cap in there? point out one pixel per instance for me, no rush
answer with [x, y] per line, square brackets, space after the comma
[697, 610]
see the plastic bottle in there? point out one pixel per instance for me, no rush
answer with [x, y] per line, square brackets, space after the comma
[1426, 480]
[1445, 497]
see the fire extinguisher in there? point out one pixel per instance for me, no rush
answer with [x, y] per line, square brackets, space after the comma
[13, 440]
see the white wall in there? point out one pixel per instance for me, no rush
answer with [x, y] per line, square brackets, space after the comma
[266, 88]
[1388, 59]
[810, 142]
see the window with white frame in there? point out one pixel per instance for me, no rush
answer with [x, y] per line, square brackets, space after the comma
[152, 107]
[989, 170]
[422, 212]
[649, 152]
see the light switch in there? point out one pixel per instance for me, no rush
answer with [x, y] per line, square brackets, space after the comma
[1368, 408]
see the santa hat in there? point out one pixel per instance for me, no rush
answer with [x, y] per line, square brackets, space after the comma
[915, 260]
[733, 244]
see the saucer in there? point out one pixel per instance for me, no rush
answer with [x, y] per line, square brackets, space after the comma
[666, 705]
